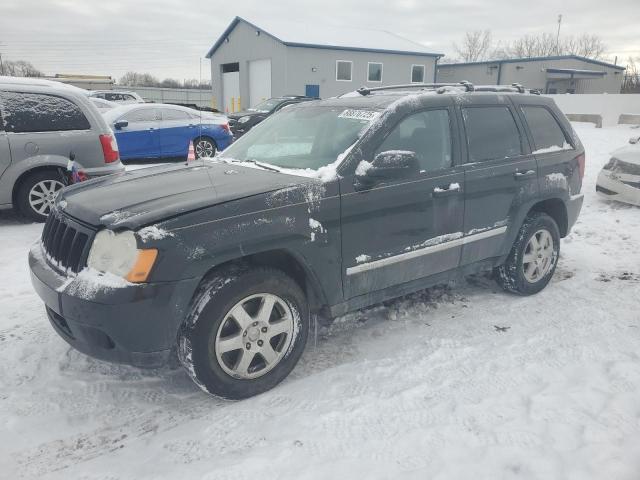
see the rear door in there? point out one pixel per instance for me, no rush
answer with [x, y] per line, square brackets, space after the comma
[500, 174]
[399, 231]
[140, 138]
[554, 147]
[177, 129]
[5, 153]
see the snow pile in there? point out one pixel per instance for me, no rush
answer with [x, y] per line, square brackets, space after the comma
[89, 282]
[553, 148]
[363, 167]
[316, 227]
[363, 258]
[153, 232]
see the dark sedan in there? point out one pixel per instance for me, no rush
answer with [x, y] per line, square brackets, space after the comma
[242, 122]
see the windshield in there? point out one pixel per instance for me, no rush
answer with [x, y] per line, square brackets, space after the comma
[309, 137]
[267, 105]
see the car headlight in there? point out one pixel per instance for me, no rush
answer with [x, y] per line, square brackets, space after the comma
[117, 253]
[244, 119]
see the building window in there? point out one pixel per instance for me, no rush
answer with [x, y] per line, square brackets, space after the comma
[417, 73]
[374, 72]
[343, 70]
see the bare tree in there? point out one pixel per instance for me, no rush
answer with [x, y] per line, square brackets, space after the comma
[20, 68]
[475, 46]
[631, 82]
[135, 79]
[590, 46]
[529, 46]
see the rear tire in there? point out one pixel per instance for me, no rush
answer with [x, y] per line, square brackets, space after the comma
[245, 332]
[533, 257]
[37, 193]
[204, 147]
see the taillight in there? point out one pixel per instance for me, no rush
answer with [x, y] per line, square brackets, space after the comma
[225, 127]
[109, 148]
[580, 159]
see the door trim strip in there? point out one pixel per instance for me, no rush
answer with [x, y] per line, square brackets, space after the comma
[402, 257]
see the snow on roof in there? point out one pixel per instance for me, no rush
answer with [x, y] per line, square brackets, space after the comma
[331, 37]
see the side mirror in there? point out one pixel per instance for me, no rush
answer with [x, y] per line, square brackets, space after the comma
[390, 165]
[634, 140]
[120, 124]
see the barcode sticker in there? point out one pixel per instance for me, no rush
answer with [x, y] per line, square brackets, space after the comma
[367, 115]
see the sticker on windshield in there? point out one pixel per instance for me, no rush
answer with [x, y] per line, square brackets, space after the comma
[367, 115]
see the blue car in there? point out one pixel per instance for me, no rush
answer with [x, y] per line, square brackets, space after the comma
[158, 130]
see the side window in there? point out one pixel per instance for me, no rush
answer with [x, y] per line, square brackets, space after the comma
[428, 134]
[491, 133]
[343, 70]
[171, 114]
[35, 112]
[143, 115]
[417, 73]
[547, 133]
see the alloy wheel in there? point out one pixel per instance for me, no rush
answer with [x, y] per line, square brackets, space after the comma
[43, 194]
[204, 148]
[254, 336]
[538, 256]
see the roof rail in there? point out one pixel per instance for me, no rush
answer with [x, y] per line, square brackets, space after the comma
[514, 87]
[468, 86]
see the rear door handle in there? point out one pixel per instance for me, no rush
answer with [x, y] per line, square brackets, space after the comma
[444, 190]
[524, 175]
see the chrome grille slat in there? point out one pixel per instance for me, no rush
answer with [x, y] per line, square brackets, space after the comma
[65, 243]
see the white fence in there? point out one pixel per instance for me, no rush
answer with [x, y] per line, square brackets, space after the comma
[608, 106]
[201, 98]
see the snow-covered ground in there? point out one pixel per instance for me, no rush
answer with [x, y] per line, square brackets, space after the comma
[451, 383]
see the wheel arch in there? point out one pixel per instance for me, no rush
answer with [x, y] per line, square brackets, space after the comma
[27, 173]
[288, 262]
[556, 209]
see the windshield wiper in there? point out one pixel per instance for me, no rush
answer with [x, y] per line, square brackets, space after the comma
[266, 166]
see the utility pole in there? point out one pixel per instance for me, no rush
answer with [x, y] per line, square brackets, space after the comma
[558, 35]
[1, 64]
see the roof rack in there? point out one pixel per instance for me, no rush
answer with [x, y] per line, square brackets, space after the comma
[364, 91]
[441, 88]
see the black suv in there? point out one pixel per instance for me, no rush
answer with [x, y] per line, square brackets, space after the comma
[330, 206]
[241, 122]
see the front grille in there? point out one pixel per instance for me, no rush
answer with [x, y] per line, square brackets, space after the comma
[64, 243]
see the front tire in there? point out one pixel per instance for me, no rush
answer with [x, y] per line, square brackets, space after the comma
[533, 257]
[37, 193]
[246, 331]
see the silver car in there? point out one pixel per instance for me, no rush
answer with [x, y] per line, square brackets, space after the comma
[117, 96]
[44, 125]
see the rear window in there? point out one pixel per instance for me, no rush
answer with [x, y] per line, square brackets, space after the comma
[547, 133]
[492, 133]
[35, 112]
[143, 115]
[171, 114]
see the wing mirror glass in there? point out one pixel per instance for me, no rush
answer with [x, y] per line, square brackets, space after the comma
[389, 165]
[120, 124]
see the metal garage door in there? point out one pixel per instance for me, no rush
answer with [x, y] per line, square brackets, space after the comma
[259, 81]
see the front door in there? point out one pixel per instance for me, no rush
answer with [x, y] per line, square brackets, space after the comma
[399, 231]
[500, 176]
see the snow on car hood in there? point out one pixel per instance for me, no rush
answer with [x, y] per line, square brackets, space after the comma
[628, 154]
[148, 195]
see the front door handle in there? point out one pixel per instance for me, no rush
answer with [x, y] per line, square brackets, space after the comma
[524, 175]
[444, 190]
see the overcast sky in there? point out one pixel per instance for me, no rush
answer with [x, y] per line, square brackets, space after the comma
[169, 38]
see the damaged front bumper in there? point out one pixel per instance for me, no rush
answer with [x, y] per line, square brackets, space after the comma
[136, 324]
[618, 186]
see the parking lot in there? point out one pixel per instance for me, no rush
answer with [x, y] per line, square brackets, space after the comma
[459, 381]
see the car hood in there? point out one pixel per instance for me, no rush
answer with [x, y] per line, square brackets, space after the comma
[628, 154]
[246, 113]
[148, 195]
